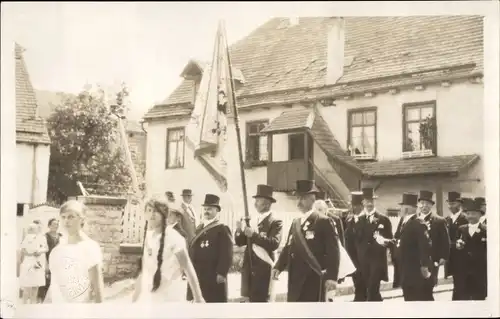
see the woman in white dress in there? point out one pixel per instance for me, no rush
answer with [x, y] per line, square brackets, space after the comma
[165, 258]
[32, 268]
[76, 263]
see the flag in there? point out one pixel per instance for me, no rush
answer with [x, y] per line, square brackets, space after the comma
[211, 124]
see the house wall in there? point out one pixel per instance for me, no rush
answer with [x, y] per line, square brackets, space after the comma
[32, 159]
[458, 106]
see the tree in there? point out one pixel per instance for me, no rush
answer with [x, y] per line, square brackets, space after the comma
[86, 147]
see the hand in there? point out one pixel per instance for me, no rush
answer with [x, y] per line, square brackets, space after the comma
[425, 272]
[381, 240]
[275, 274]
[330, 285]
[249, 232]
[220, 279]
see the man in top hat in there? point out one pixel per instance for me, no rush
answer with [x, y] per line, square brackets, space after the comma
[470, 273]
[352, 241]
[265, 237]
[211, 251]
[376, 236]
[337, 221]
[413, 251]
[482, 203]
[311, 253]
[192, 218]
[440, 240]
[454, 220]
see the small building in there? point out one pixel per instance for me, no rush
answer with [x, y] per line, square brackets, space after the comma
[395, 103]
[32, 141]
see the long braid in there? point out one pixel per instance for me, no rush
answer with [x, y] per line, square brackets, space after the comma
[157, 276]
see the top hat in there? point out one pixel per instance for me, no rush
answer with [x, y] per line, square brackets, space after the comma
[454, 197]
[427, 196]
[356, 198]
[212, 200]
[368, 193]
[480, 200]
[321, 195]
[187, 192]
[305, 186]
[468, 204]
[409, 199]
[265, 191]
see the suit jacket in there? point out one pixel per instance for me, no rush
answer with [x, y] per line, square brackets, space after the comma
[413, 250]
[372, 256]
[190, 221]
[352, 238]
[268, 236]
[472, 259]
[339, 227]
[452, 231]
[440, 239]
[211, 252]
[303, 282]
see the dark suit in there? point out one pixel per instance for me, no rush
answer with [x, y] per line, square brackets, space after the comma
[352, 239]
[440, 245]
[304, 284]
[452, 231]
[373, 257]
[470, 273]
[413, 251]
[268, 236]
[212, 260]
[339, 227]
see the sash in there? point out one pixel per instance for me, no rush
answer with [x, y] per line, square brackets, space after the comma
[304, 248]
[261, 252]
[203, 231]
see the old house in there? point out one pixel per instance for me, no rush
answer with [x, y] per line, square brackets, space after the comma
[32, 141]
[392, 102]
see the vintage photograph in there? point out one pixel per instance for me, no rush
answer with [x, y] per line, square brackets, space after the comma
[266, 159]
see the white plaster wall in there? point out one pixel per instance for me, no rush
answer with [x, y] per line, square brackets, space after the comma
[26, 154]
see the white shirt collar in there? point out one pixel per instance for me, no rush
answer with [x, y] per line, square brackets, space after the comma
[422, 216]
[455, 216]
[305, 216]
[262, 216]
[207, 222]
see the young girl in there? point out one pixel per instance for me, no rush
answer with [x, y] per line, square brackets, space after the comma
[32, 269]
[75, 263]
[165, 258]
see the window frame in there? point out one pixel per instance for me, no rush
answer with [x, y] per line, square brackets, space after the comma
[350, 113]
[299, 136]
[250, 161]
[169, 131]
[419, 105]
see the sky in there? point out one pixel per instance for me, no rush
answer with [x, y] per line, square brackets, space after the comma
[145, 45]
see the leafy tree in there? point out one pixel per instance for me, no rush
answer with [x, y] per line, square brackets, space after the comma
[86, 147]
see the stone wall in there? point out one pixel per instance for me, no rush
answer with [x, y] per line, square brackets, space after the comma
[104, 224]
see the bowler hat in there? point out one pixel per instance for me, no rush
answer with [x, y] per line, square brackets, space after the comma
[356, 198]
[409, 199]
[265, 191]
[468, 204]
[187, 192]
[305, 186]
[368, 193]
[427, 196]
[212, 200]
[454, 197]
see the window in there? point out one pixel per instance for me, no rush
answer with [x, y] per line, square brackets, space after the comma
[296, 147]
[256, 143]
[419, 128]
[362, 134]
[175, 148]
[20, 210]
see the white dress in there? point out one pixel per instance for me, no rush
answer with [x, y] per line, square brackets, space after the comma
[32, 269]
[172, 288]
[69, 266]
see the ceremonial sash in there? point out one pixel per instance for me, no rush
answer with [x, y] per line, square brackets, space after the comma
[203, 231]
[261, 252]
[304, 248]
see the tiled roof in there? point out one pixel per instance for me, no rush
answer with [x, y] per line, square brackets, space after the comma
[290, 120]
[30, 128]
[419, 166]
[274, 59]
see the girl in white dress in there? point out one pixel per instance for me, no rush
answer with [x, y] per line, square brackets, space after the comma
[32, 269]
[165, 258]
[76, 263]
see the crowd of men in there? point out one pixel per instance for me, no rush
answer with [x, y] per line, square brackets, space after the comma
[312, 254]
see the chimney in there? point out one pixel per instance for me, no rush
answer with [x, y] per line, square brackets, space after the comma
[335, 51]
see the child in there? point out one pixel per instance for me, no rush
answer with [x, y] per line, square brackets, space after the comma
[471, 277]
